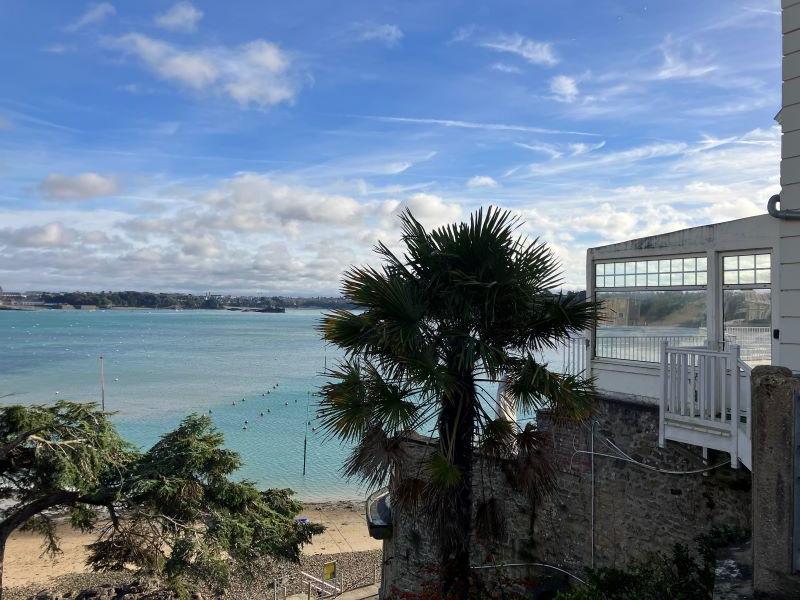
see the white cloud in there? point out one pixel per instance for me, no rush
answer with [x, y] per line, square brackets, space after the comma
[430, 210]
[390, 35]
[77, 187]
[564, 88]
[537, 53]
[258, 73]
[95, 14]
[504, 68]
[475, 125]
[479, 181]
[51, 235]
[183, 17]
[678, 64]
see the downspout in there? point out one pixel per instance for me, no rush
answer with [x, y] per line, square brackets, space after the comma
[772, 209]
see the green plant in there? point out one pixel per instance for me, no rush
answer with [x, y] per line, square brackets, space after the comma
[465, 305]
[683, 574]
[172, 511]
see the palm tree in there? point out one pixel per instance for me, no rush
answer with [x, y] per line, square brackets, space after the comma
[466, 305]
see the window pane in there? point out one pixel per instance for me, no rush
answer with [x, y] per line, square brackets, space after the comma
[762, 261]
[652, 279]
[619, 268]
[689, 264]
[747, 262]
[652, 266]
[676, 265]
[763, 276]
[701, 263]
[641, 266]
[641, 280]
[619, 280]
[730, 263]
[747, 276]
[663, 266]
[636, 322]
[676, 279]
[747, 316]
[600, 281]
[731, 277]
[702, 278]
[600, 269]
[630, 280]
[663, 279]
[689, 279]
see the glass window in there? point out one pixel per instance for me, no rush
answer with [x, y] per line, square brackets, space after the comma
[747, 321]
[746, 269]
[664, 272]
[634, 323]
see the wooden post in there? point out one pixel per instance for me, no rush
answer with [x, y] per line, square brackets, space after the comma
[735, 397]
[662, 404]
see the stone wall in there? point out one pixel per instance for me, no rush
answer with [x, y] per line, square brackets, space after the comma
[636, 510]
[775, 399]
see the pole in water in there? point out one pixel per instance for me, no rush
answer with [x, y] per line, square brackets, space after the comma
[305, 439]
[102, 386]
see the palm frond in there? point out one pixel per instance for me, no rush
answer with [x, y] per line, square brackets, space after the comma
[531, 386]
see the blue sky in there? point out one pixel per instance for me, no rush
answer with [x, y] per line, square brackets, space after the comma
[264, 147]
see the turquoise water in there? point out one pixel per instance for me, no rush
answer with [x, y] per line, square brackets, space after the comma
[162, 365]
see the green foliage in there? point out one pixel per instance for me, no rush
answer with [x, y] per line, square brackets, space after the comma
[172, 511]
[681, 575]
[466, 304]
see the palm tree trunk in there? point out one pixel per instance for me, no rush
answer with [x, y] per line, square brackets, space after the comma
[456, 430]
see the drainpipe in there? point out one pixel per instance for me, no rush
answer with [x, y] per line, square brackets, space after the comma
[772, 209]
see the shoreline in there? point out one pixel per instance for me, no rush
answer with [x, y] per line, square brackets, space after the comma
[26, 568]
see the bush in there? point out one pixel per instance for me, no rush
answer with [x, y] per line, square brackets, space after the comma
[685, 574]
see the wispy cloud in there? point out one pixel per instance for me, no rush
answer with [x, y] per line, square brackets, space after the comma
[474, 125]
[182, 16]
[534, 52]
[504, 68]
[679, 63]
[97, 13]
[389, 35]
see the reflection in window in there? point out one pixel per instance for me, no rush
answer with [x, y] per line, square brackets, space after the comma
[747, 318]
[664, 272]
[636, 322]
[746, 269]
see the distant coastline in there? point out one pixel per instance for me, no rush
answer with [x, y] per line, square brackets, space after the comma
[163, 300]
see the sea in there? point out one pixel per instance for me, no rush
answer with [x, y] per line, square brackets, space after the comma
[161, 365]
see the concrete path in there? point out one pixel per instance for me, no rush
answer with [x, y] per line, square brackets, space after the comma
[362, 593]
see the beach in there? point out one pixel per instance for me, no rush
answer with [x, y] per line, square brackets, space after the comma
[26, 570]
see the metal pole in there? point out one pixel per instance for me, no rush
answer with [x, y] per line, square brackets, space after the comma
[305, 439]
[102, 385]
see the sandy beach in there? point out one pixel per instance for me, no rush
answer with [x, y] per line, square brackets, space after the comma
[346, 532]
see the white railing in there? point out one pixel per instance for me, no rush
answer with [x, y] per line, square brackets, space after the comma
[705, 400]
[644, 348]
[574, 351]
[755, 343]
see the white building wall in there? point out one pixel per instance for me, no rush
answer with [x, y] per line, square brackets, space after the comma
[788, 304]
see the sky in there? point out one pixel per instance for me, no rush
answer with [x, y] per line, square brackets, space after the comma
[264, 147]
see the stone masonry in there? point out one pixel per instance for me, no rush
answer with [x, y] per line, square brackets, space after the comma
[636, 510]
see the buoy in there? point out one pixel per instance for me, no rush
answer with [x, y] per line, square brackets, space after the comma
[245, 421]
[262, 413]
[116, 378]
[209, 411]
[268, 410]
[233, 403]
[286, 404]
[57, 393]
[244, 427]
